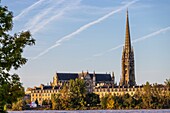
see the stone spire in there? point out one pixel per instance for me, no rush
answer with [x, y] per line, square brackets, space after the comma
[128, 68]
[127, 36]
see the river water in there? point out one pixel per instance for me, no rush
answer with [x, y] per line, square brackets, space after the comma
[93, 111]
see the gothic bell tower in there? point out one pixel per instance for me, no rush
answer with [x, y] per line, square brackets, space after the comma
[128, 65]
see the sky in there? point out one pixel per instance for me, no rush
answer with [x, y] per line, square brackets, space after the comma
[88, 35]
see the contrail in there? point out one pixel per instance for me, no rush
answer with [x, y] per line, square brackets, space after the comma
[45, 22]
[41, 25]
[68, 37]
[136, 40]
[46, 50]
[28, 9]
[100, 54]
[152, 34]
[38, 22]
[33, 21]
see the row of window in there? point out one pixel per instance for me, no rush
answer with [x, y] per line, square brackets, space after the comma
[117, 94]
[117, 89]
[39, 99]
[44, 91]
[41, 94]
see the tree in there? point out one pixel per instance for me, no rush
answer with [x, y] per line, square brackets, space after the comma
[18, 105]
[77, 92]
[65, 97]
[92, 99]
[45, 102]
[104, 102]
[56, 102]
[11, 49]
[166, 99]
[110, 102]
[138, 100]
[117, 101]
[167, 83]
[71, 96]
[147, 96]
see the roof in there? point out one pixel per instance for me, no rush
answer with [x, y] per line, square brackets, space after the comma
[67, 76]
[99, 77]
[47, 87]
[102, 77]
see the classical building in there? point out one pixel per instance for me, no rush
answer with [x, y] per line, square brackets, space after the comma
[92, 81]
[128, 65]
[43, 92]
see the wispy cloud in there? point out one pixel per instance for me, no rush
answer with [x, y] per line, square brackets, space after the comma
[25, 11]
[163, 30]
[68, 37]
[40, 20]
[33, 21]
[56, 15]
[54, 9]
[94, 10]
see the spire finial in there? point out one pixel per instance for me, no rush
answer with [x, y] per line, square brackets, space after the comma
[127, 36]
[127, 12]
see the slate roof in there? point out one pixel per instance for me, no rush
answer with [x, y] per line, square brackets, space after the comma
[47, 87]
[99, 77]
[102, 77]
[67, 76]
[56, 87]
[37, 88]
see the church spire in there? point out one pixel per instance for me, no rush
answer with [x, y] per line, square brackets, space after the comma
[128, 68]
[127, 36]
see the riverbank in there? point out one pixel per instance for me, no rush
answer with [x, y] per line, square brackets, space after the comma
[95, 111]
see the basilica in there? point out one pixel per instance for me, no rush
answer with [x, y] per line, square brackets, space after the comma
[98, 83]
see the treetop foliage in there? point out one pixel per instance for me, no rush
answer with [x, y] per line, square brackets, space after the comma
[11, 49]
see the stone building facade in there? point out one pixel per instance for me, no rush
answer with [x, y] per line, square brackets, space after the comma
[43, 92]
[92, 81]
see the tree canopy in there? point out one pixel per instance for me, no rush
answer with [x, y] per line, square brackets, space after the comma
[11, 49]
[71, 96]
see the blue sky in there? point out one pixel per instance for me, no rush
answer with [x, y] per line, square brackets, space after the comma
[76, 35]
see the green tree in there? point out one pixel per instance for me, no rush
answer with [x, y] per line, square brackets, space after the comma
[138, 100]
[110, 102]
[157, 100]
[61, 101]
[77, 92]
[92, 99]
[11, 49]
[147, 96]
[71, 96]
[56, 102]
[120, 101]
[167, 83]
[166, 97]
[103, 102]
[65, 97]
[117, 100]
[18, 106]
[45, 102]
